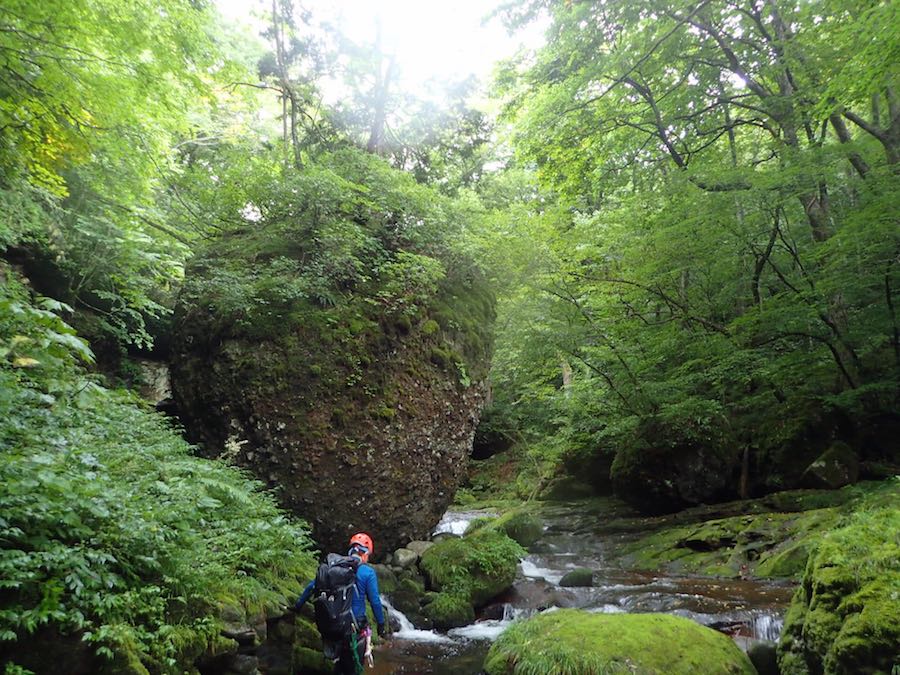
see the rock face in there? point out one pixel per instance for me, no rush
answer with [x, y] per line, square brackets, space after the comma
[845, 617]
[327, 352]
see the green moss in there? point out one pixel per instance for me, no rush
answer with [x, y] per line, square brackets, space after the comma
[476, 567]
[765, 544]
[430, 327]
[440, 357]
[845, 617]
[581, 576]
[448, 610]
[521, 525]
[573, 642]
[311, 661]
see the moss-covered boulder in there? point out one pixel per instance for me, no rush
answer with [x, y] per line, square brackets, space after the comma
[521, 525]
[579, 577]
[448, 610]
[845, 616]
[338, 348]
[661, 479]
[574, 642]
[466, 572]
[478, 567]
[836, 467]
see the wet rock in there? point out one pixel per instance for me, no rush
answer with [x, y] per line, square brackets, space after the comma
[763, 656]
[521, 526]
[581, 576]
[387, 580]
[419, 546]
[244, 635]
[242, 664]
[836, 467]
[405, 558]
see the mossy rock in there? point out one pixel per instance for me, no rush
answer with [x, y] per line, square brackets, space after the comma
[788, 563]
[580, 576]
[574, 642]
[407, 597]
[845, 616]
[387, 580]
[300, 353]
[477, 567]
[834, 468]
[448, 610]
[521, 526]
[311, 662]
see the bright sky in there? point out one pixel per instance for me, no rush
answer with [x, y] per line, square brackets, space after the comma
[441, 39]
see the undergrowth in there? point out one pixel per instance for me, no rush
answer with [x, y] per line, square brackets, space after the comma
[111, 532]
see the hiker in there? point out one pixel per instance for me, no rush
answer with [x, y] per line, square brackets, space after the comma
[339, 594]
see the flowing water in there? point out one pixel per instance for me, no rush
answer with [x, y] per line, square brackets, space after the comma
[745, 609]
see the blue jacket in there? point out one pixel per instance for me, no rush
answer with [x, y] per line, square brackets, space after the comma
[366, 587]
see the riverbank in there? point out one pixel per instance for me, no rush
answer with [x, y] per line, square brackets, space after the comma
[715, 565]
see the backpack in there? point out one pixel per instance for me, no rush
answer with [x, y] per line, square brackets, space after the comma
[334, 589]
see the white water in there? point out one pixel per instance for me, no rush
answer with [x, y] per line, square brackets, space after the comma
[529, 569]
[490, 629]
[456, 522]
[767, 627]
[407, 630]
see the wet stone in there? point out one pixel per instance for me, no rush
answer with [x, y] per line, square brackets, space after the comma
[405, 558]
[581, 576]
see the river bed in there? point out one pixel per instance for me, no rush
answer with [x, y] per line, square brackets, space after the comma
[746, 609]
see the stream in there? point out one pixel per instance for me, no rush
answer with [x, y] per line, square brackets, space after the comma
[747, 610]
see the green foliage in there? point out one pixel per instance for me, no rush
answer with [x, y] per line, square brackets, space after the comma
[712, 266]
[351, 248]
[111, 530]
[569, 642]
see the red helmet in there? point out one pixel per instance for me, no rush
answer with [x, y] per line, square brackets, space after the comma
[363, 540]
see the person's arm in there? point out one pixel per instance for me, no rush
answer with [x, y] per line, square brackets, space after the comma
[305, 596]
[375, 601]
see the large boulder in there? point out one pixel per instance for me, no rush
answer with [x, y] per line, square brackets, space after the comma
[836, 467]
[338, 348]
[845, 616]
[571, 642]
[466, 573]
[665, 479]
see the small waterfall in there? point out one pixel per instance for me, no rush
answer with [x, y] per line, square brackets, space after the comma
[766, 627]
[490, 629]
[457, 522]
[407, 630]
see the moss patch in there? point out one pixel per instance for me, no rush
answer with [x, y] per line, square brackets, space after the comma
[448, 610]
[477, 567]
[845, 617]
[762, 542]
[573, 642]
